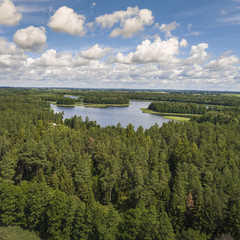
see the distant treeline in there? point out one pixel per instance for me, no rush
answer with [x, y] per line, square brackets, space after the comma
[106, 100]
[208, 99]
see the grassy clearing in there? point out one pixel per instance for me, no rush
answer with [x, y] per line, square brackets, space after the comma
[178, 119]
[173, 116]
[16, 233]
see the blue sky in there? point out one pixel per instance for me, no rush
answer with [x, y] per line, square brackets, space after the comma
[144, 44]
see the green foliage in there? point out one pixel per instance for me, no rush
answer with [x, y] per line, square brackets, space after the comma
[12, 201]
[77, 180]
[178, 107]
[60, 215]
[192, 234]
[66, 101]
[106, 100]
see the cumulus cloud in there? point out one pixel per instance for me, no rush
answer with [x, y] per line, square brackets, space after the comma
[131, 21]
[95, 52]
[157, 51]
[224, 62]
[198, 54]
[53, 59]
[31, 38]
[67, 21]
[10, 55]
[108, 20]
[8, 13]
[167, 28]
[8, 48]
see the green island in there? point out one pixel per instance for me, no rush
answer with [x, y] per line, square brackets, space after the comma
[72, 179]
[97, 101]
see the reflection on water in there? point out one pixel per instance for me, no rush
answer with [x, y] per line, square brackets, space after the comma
[114, 115]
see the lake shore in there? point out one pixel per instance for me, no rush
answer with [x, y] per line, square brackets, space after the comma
[90, 105]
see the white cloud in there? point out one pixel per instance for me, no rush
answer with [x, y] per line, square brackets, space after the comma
[157, 51]
[95, 52]
[223, 63]
[8, 13]
[31, 38]
[10, 55]
[67, 21]
[183, 43]
[8, 48]
[198, 54]
[131, 21]
[167, 28]
[108, 20]
[51, 58]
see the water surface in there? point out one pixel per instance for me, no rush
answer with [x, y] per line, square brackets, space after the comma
[114, 115]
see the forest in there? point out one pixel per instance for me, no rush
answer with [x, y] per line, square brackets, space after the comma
[106, 100]
[176, 107]
[74, 179]
[66, 101]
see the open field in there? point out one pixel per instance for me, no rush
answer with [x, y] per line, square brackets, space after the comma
[175, 118]
[16, 232]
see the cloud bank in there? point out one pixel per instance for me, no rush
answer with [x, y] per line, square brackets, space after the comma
[153, 64]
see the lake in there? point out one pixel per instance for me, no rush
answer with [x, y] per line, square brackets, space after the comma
[114, 115]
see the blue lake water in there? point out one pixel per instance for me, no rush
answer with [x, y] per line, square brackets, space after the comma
[114, 115]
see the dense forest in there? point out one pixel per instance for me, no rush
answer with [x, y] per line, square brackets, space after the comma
[106, 100]
[190, 108]
[66, 101]
[74, 179]
[176, 107]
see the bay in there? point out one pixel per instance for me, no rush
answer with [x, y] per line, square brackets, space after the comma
[113, 115]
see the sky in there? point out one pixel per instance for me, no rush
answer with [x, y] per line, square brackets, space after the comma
[140, 44]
